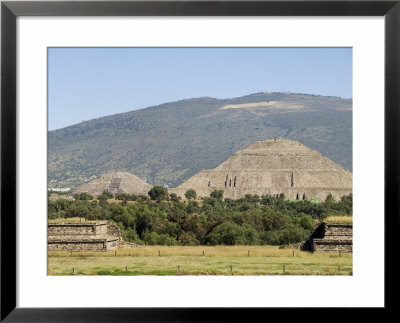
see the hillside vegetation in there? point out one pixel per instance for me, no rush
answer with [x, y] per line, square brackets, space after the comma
[164, 219]
[168, 143]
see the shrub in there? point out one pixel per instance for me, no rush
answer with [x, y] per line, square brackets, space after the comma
[266, 199]
[233, 234]
[190, 194]
[153, 238]
[158, 193]
[217, 194]
[251, 198]
[174, 197]
[329, 199]
[130, 235]
[83, 197]
[188, 239]
[107, 194]
[285, 236]
[306, 222]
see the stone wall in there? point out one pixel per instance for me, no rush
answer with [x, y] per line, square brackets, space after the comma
[331, 237]
[63, 229]
[94, 236]
[78, 229]
[321, 245]
[77, 245]
[112, 244]
[114, 231]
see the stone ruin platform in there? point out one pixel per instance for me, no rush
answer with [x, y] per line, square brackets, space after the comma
[331, 237]
[87, 236]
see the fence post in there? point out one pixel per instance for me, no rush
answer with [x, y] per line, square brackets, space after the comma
[179, 267]
[248, 253]
[338, 268]
[126, 268]
[231, 267]
[203, 252]
[159, 253]
[293, 253]
[73, 269]
[284, 269]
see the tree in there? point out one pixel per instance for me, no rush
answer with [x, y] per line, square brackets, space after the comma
[190, 194]
[266, 199]
[158, 193]
[174, 197]
[306, 222]
[217, 194]
[188, 239]
[233, 234]
[83, 197]
[329, 199]
[108, 194]
[251, 198]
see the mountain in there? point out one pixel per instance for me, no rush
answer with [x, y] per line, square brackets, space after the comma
[273, 166]
[169, 143]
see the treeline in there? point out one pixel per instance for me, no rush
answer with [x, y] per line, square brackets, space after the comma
[164, 219]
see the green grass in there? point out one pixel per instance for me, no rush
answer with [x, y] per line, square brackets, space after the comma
[263, 260]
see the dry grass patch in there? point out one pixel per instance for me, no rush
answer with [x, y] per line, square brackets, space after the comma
[339, 219]
[71, 220]
[270, 104]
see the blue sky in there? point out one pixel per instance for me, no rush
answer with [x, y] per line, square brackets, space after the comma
[87, 83]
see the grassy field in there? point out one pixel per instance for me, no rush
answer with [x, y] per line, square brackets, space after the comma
[200, 260]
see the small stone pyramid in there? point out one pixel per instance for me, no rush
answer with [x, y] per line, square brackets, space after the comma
[115, 182]
[273, 166]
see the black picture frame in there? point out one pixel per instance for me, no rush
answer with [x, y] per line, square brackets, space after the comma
[10, 10]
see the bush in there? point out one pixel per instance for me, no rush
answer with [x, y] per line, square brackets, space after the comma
[83, 197]
[217, 194]
[188, 239]
[130, 235]
[251, 198]
[306, 222]
[266, 199]
[233, 234]
[192, 207]
[285, 236]
[158, 193]
[153, 238]
[190, 194]
[174, 197]
[329, 199]
[107, 194]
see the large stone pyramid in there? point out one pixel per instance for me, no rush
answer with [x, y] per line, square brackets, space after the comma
[116, 182]
[273, 166]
